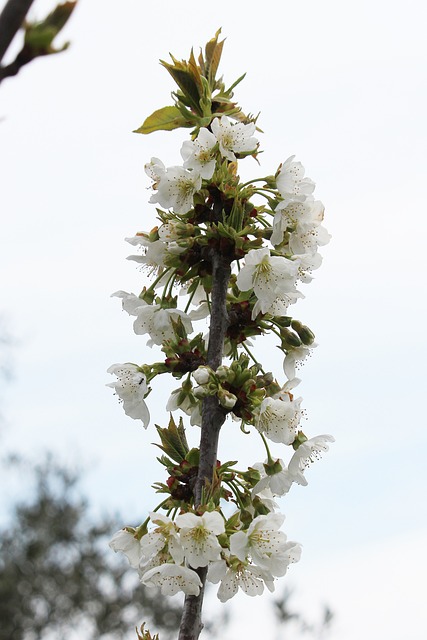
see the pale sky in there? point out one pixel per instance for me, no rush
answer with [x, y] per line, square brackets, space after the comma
[342, 85]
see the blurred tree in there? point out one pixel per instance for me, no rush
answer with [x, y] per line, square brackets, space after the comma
[57, 575]
[286, 616]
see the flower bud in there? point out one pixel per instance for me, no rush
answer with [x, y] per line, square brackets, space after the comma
[306, 334]
[154, 234]
[260, 508]
[285, 321]
[290, 338]
[222, 373]
[226, 399]
[202, 375]
[200, 392]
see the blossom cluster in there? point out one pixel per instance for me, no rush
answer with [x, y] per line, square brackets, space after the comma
[268, 232]
[168, 555]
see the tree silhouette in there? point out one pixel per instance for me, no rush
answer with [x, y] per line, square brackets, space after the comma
[58, 575]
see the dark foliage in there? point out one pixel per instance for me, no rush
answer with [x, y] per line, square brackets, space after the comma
[57, 574]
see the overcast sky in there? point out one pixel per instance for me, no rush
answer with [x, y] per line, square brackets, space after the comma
[343, 86]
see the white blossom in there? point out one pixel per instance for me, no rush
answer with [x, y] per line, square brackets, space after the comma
[279, 306]
[270, 277]
[157, 322]
[165, 534]
[279, 483]
[233, 137]
[296, 355]
[303, 220]
[162, 557]
[126, 542]
[153, 318]
[309, 238]
[168, 232]
[155, 169]
[176, 189]
[196, 415]
[153, 259]
[288, 215]
[198, 535]
[308, 262]
[307, 453]
[172, 578]
[131, 387]
[201, 312]
[130, 302]
[265, 544]
[278, 419]
[199, 154]
[266, 497]
[249, 578]
[179, 399]
[291, 183]
[155, 252]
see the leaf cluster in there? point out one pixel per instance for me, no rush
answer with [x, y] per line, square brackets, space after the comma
[200, 96]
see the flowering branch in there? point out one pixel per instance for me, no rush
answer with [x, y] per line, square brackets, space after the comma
[238, 263]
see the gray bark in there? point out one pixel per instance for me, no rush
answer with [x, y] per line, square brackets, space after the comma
[213, 416]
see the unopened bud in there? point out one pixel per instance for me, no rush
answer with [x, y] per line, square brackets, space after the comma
[200, 392]
[290, 338]
[259, 506]
[226, 399]
[285, 321]
[202, 375]
[154, 234]
[222, 372]
[306, 334]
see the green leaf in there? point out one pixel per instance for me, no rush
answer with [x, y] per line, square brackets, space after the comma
[183, 76]
[39, 35]
[164, 119]
[174, 442]
[213, 51]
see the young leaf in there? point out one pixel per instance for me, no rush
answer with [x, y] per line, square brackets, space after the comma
[164, 119]
[174, 442]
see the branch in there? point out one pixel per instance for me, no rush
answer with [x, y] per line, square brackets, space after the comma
[213, 416]
[23, 58]
[38, 36]
[11, 19]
